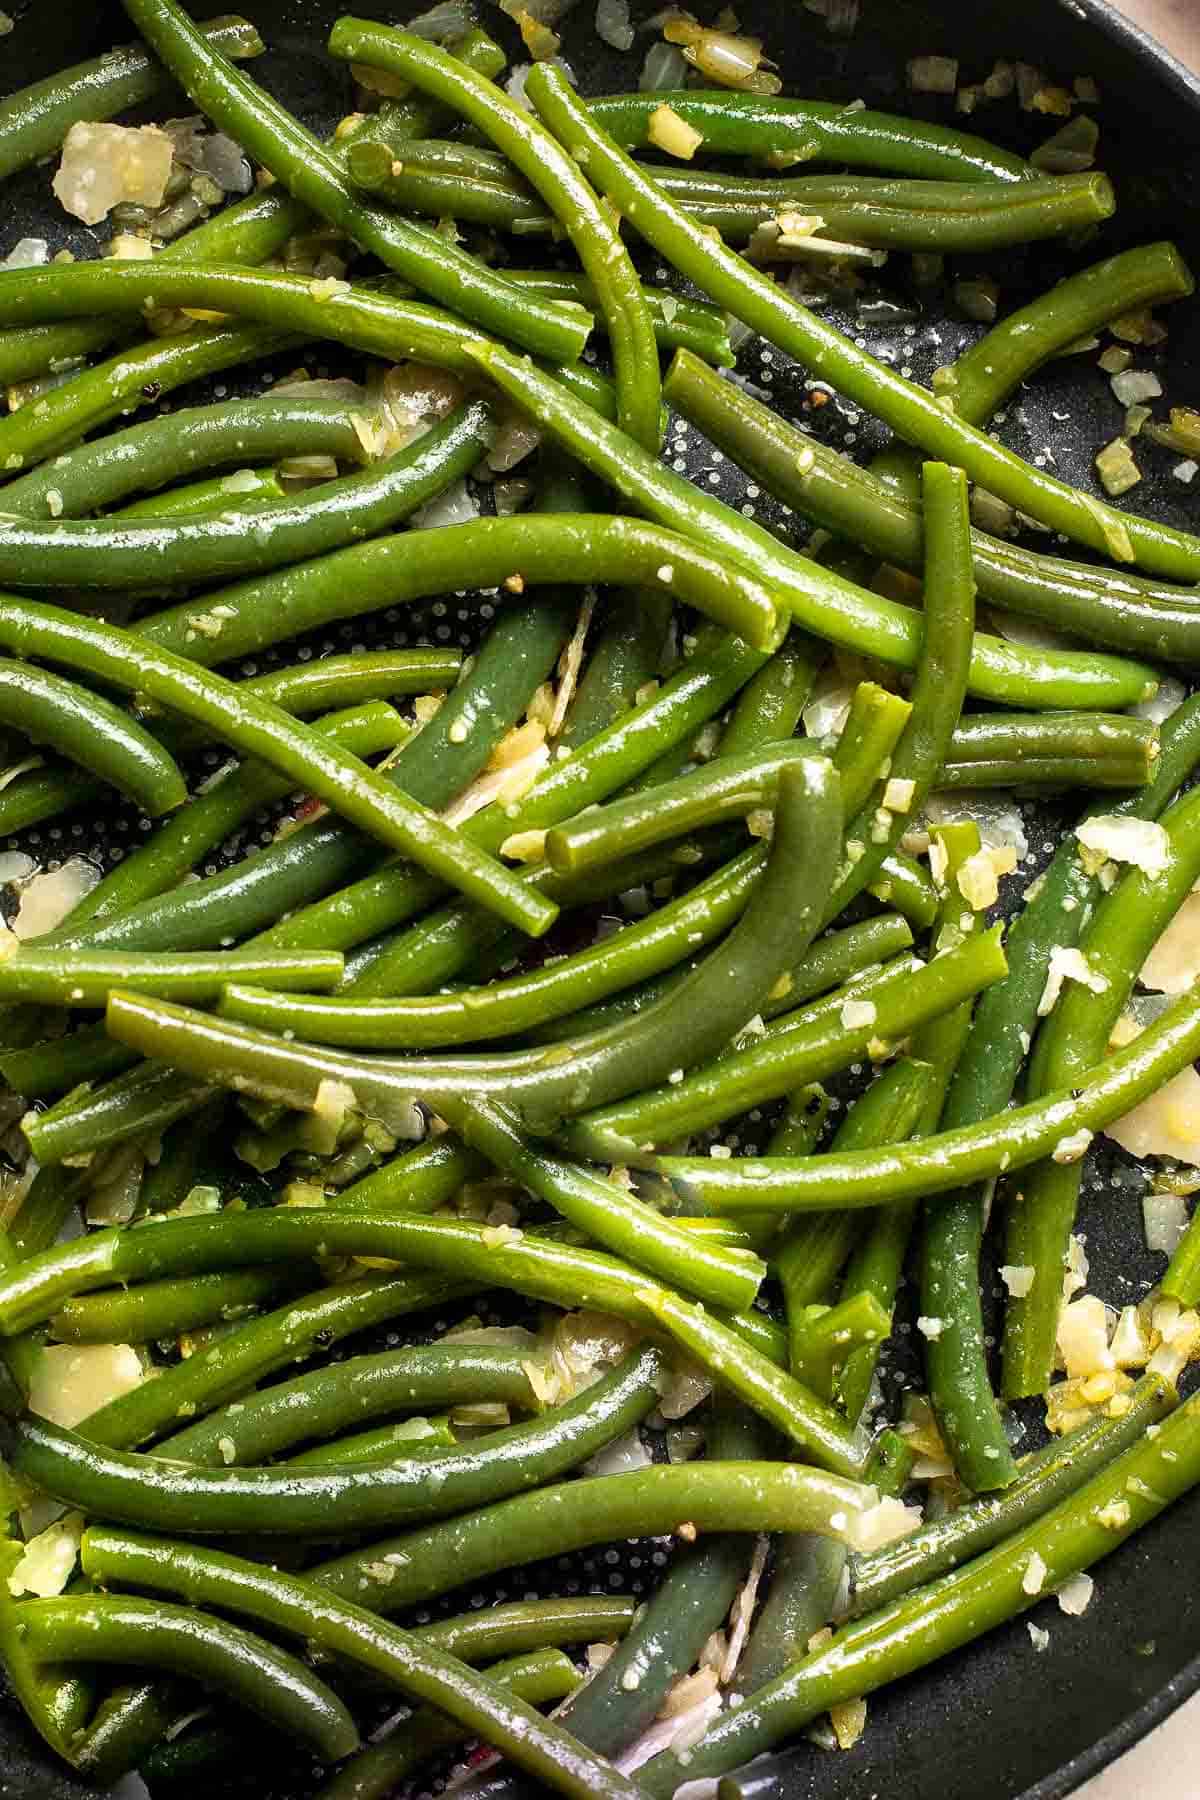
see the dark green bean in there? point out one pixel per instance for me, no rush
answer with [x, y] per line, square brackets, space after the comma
[914, 1630]
[419, 1484]
[914, 414]
[626, 655]
[182, 443]
[100, 737]
[164, 1309]
[82, 979]
[57, 1708]
[808, 1573]
[278, 1687]
[677, 322]
[418, 1668]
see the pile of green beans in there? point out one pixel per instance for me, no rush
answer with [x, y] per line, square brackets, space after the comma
[521, 1012]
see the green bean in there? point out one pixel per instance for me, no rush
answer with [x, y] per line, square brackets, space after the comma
[326, 1402]
[1043, 1479]
[57, 1708]
[769, 707]
[164, 1309]
[1122, 609]
[419, 1669]
[833, 959]
[808, 1047]
[809, 1259]
[537, 1677]
[329, 682]
[182, 443]
[1006, 1141]
[736, 1496]
[43, 795]
[813, 130]
[51, 1068]
[295, 750]
[202, 499]
[129, 379]
[821, 602]
[478, 188]
[103, 1628]
[914, 1630]
[984, 376]
[122, 554]
[726, 788]
[610, 1215]
[420, 1179]
[913, 414]
[139, 1490]
[276, 139]
[1182, 1279]
[505, 1009]
[35, 120]
[766, 937]
[384, 1445]
[130, 1720]
[677, 322]
[210, 817]
[532, 150]
[233, 1363]
[79, 979]
[1046, 773]
[627, 654]
[100, 737]
[1120, 935]
[44, 1210]
[808, 1573]
[485, 553]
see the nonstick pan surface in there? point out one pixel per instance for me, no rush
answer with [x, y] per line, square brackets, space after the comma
[1000, 1720]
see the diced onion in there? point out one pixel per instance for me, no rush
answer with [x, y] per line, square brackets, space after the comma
[457, 506]
[1167, 1124]
[933, 74]
[613, 23]
[1142, 842]
[1174, 962]
[621, 1457]
[667, 131]
[48, 899]
[72, 1381]
[1165, 1218]
[665, 68]
[48, 1560]
[442, 23]
[27, 253]
[1083, 1337]
[103, 165]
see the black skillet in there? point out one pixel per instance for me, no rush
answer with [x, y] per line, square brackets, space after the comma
[999, 1720]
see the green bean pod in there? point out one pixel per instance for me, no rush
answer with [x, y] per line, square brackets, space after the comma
[154, 1310]
[79, 979]
[100, 737]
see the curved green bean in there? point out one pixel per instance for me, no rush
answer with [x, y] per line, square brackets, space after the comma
[532, 150]
[915, 415]
[164, 1309]
[419, 1484]
[102, 1628]
[56, 1708]
[121, 554]
[315, 762]
[326, 1402]
[419, 1668]
[102, 738]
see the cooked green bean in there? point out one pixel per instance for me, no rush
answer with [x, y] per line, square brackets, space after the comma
[626, 655]
[1008, 1140]
[1044, 773]
[256, 488]
[43, 794]
[35, 120]
[328, 1401]
[57, 1708]
[102, 738]
[420, 1179]
[82, 979]
[1122, 609]
[610, 1215]
[812, 130]
[122, 554]
[677, 322]
[913, 414]
[808, 1574]
[1073, 1039]
[820, 601]
[418, 1484]
[557, 178]
[129, 379]
[914, 1630]
[416, 1666]
[396, 1573]
[164, 1309]
[54, 1066]
[354, 790]
[97, 1628]
[809, 1260]
[538, 1676]
[814, 1043]
[769, 708]
[1043, 1479]
[178, 444]
[537, 548]
[984, 376]
[210, 817]
[273, 136]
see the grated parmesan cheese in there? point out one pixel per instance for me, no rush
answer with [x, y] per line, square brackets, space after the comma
[1141, 842]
